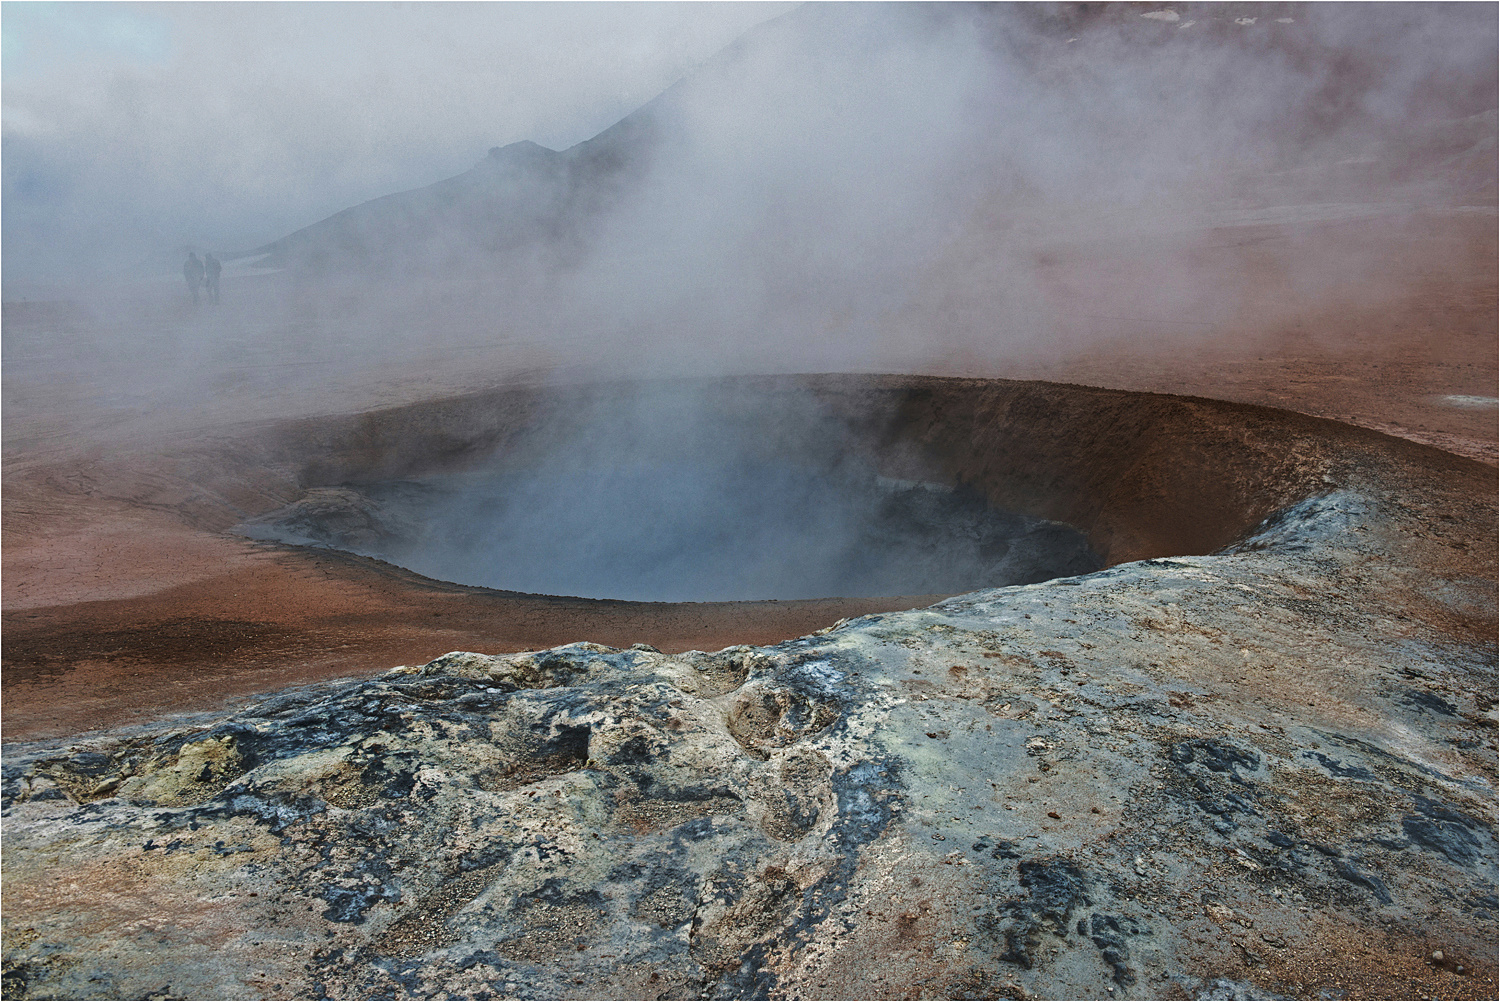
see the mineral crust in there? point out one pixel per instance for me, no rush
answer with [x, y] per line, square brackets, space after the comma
[1253, 773]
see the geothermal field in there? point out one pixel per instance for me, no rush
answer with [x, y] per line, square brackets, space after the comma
[834, 501]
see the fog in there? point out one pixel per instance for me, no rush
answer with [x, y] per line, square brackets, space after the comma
[132, 131]
[418, 201]
[671, 491]
[844, 187]
[877, 187]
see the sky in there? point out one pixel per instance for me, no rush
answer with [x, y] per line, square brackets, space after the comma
[132, 131]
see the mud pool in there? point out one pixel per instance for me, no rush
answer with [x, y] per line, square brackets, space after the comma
[668, 530]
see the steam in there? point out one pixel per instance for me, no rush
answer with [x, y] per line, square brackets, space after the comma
[686, 491]
[913, 196]
[848, 188]
[133, 131]
[844, 188]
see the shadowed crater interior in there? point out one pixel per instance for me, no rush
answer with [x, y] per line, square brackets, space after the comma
[675, 494]
[781, 487]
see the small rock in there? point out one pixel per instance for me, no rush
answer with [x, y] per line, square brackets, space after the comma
[1218, 912]
[1437, 956]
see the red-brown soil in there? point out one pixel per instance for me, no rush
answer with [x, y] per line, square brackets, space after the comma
[92, 639]
[1415, 322]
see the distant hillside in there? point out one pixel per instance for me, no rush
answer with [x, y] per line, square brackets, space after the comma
[526, 201]
[519, 196]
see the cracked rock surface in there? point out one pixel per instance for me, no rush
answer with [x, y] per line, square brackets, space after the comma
[1249, 774]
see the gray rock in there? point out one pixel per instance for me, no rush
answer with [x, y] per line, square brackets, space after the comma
[1121, 783]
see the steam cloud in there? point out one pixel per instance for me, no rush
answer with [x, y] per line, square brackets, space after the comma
[870, 187]
[845, 188]
[686, 491]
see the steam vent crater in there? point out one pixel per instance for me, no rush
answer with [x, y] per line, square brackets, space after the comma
[758, 488]
[672, 493]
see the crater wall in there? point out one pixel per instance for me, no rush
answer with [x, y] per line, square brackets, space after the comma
[1144, 475]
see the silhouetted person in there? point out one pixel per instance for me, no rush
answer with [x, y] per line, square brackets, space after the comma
[192, 270]
[211, 269]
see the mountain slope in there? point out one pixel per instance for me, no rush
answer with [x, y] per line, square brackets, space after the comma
[520, 195]
[846, 129]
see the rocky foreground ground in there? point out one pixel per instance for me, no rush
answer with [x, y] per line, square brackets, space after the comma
[1265, 772]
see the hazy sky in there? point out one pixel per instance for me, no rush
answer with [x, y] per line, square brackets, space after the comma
[131, 130]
